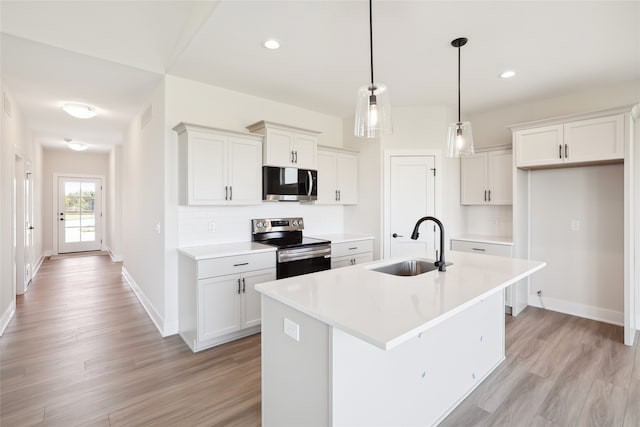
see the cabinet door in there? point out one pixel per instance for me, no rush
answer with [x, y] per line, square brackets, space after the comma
[539, 146]
[218, 306]
[362, 258]
[327, 185]
[278, 148]
[595, 139]
[305, 151]
[207, 169]
[251, 301]
[473, 180]
[245, 171]
[500, 173]
[339, 262]
[347, 179]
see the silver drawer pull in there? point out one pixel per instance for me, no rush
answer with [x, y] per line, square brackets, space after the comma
[238, 265]
[479, 249]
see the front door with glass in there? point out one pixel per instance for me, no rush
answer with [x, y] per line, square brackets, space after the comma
[79, 214]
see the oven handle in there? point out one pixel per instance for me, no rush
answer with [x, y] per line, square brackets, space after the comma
[297, 254]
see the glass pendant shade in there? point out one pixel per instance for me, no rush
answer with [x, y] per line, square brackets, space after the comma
[460, 140]
[373, 112]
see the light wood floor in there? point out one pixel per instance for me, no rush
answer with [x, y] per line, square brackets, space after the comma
[82, 351]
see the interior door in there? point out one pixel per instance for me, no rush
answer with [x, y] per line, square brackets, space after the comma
[79, 214]
[412, 196]
[28, 228]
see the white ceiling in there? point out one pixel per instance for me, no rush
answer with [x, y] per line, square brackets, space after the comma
[111, 54]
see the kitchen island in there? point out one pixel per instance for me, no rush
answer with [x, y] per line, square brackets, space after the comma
[358, 347]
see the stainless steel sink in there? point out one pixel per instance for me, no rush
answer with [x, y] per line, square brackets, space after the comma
[410, 267]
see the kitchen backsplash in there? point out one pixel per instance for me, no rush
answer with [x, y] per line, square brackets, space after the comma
[489, 220]
[232, 223]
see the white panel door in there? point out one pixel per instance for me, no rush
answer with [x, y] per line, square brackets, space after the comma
[347, 179]
[500, 177]
[327, 186]
[412, 197]
[79, 214]
[595, 139]
[208, 173]
[304, 151]
[539, 146]
[473, 180]
[218, 306]
[277, 149]
[245, 170]
[251, 302]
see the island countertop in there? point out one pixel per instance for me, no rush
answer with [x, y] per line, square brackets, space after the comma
[386, 310]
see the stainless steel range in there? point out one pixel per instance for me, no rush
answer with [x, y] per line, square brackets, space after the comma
[296, 254]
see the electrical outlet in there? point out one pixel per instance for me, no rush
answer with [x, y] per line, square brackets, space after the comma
[212, 227]
[292, 329]
[575, 225]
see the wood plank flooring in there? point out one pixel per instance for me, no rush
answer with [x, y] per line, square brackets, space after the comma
[81, 351]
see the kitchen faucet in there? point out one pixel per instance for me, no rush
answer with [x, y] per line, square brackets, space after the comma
[440, 263]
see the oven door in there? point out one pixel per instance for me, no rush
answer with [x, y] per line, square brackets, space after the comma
[303, 260]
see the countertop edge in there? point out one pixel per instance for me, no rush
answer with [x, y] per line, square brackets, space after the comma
[221, 254]
[495, 240]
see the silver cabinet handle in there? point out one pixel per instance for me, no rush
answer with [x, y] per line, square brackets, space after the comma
[238, 286]
[339, 196]
[485, 195]
[230, 193]
[489, 195]
[296, 156]
[336, 195]
[353, 248]
[566, 151]
[560, 151]
[292, 156]
[243, 286]
[226, 192]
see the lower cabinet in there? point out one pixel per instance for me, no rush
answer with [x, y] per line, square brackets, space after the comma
[349, 253]
[217, 307]
[496, 249]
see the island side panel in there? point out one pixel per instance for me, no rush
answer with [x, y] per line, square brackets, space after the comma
[295, 374]
[421, 381]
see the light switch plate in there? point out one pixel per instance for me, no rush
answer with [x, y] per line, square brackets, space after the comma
[292, 329]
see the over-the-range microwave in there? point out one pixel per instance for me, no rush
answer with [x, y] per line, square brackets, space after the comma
[289, 184]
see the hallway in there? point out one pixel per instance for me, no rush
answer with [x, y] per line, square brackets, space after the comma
[82, 351]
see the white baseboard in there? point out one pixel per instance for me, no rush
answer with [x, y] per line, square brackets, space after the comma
[114, 257]
[50, 252]
[580, 310]
[165, 329]
[7, 316]
[37, 266]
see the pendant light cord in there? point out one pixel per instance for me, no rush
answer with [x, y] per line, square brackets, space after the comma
[371, 41]
[459, 84]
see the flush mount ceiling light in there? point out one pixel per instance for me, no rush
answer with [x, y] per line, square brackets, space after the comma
[76, 146]
[508, 74]
[373, 110]
[80, 111]
[271, 44]
[459, 138]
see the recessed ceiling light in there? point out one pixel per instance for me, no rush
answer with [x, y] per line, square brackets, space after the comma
[271, 44]
[508, 74]
[80, 111]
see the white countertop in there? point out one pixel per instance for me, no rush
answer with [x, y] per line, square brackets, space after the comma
[386, 310]
[498, 240]
[343, 238]
[225, 249]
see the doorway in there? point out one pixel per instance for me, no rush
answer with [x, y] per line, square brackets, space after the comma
[79, 214]
[23, 224]
[411, 188]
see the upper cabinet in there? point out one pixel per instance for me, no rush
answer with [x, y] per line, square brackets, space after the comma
[592, 140]
[218, 167]
[485, 178]
[286, 146]
[337, 177]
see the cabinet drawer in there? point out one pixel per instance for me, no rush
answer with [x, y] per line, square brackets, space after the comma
[351, 248]
[481, 248]
[235, 264]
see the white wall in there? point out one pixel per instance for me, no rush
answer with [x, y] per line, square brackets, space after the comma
[114, 204]
[585, 267]
[143, 212]
[65, 162]
[16, 139]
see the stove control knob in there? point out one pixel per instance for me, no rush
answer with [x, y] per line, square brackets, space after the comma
[300, 223]
[258, 224]
[295, 222]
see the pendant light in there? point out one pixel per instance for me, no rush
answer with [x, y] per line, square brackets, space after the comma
[373, 110]
[459, 137]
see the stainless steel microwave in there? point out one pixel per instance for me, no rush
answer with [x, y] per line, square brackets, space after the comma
[289, 184]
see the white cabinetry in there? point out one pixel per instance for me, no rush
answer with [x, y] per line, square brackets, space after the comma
[353, 252]
[497, 248]
[287, 146]
[219, 167]
[486, 178]
[217, 298]
[597, 139]
[337, 177]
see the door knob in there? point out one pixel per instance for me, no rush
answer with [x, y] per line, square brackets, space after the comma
[396, 235]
